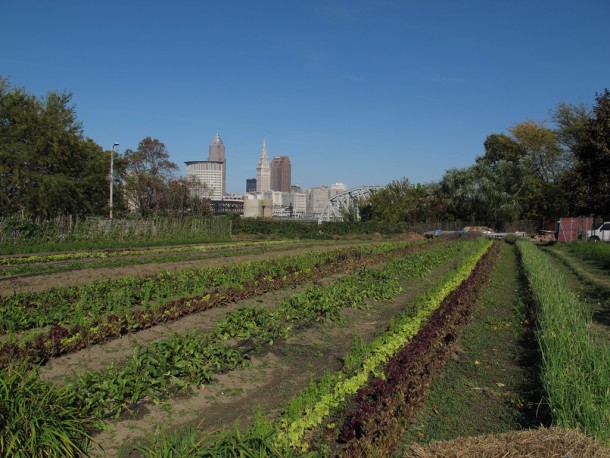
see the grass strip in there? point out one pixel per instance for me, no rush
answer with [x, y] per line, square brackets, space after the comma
[38, 419]
[576, 366]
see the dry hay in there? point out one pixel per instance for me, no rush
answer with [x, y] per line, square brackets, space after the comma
[553, 442]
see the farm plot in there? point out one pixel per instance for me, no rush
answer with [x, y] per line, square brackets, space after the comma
[189, 359]
[358, 364]
[43, 271]
[93, 313]
[485, 391]
[370, 424]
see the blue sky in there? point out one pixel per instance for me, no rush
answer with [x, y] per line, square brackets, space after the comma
[353, 91]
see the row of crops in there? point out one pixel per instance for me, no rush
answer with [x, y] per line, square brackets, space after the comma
[116, 253]
[359, 410]
[576, 361]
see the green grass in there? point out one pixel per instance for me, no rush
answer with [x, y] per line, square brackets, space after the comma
[38, 419]
[576, 362]
[490, 383]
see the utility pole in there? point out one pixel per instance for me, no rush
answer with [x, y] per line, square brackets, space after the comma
[112, 175]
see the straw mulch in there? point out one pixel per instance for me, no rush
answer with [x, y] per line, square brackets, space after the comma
[538, 443]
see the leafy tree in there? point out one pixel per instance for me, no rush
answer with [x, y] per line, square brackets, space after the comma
[589, 181]
[400, 201]
[571, 121]
[483, 195]
[184, 197]
[147, 174]
[500, 147]
[47, 167]
[541, 147]
[533, 166]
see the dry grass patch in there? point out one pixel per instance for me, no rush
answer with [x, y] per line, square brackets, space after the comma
[539, 443]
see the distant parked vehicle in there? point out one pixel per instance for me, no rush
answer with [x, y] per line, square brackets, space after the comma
[486, 231]
[601, 234]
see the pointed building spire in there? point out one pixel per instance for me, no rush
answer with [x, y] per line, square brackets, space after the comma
[263, 171]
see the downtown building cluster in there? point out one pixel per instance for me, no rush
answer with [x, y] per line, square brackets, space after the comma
[270, 194]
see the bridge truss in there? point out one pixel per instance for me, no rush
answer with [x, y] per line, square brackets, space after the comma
[338, 206]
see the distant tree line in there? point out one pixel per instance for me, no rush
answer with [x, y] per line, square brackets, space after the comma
[531, 172]
[49, 169]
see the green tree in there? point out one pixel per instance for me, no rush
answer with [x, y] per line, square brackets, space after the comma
[533, 166]
[185, 197]
[401, 201]
[47, 167]
[571, 121]
[483, 195]
[541, 147]
[500, 147]
[589, 181]
[148, 172]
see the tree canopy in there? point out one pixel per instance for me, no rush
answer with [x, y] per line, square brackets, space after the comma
[527, 173]
[589, 181]
[47, 167]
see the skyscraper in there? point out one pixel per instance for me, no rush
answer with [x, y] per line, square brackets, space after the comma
[263, 172]
[280, 174]
[209, 174]
[217, 154]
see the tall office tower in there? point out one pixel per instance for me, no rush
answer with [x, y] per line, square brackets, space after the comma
[263, 172]
[251, 185]
[217, 154]
[209, 174]
[280, 174]
[316, 200]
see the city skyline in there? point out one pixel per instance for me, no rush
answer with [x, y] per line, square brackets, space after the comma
[416, 85]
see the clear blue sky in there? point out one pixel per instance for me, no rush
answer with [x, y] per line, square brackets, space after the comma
[354, 91]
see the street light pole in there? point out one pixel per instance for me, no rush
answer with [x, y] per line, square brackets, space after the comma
[112, 175]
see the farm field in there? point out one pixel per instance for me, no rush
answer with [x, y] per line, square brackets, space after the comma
[293, 340]
[47, 270]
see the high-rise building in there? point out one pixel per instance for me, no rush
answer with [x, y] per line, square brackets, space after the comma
[280, 174]
[208, 173]
[217, 154]
[316, 200]
[251, 185]
[263, 172]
